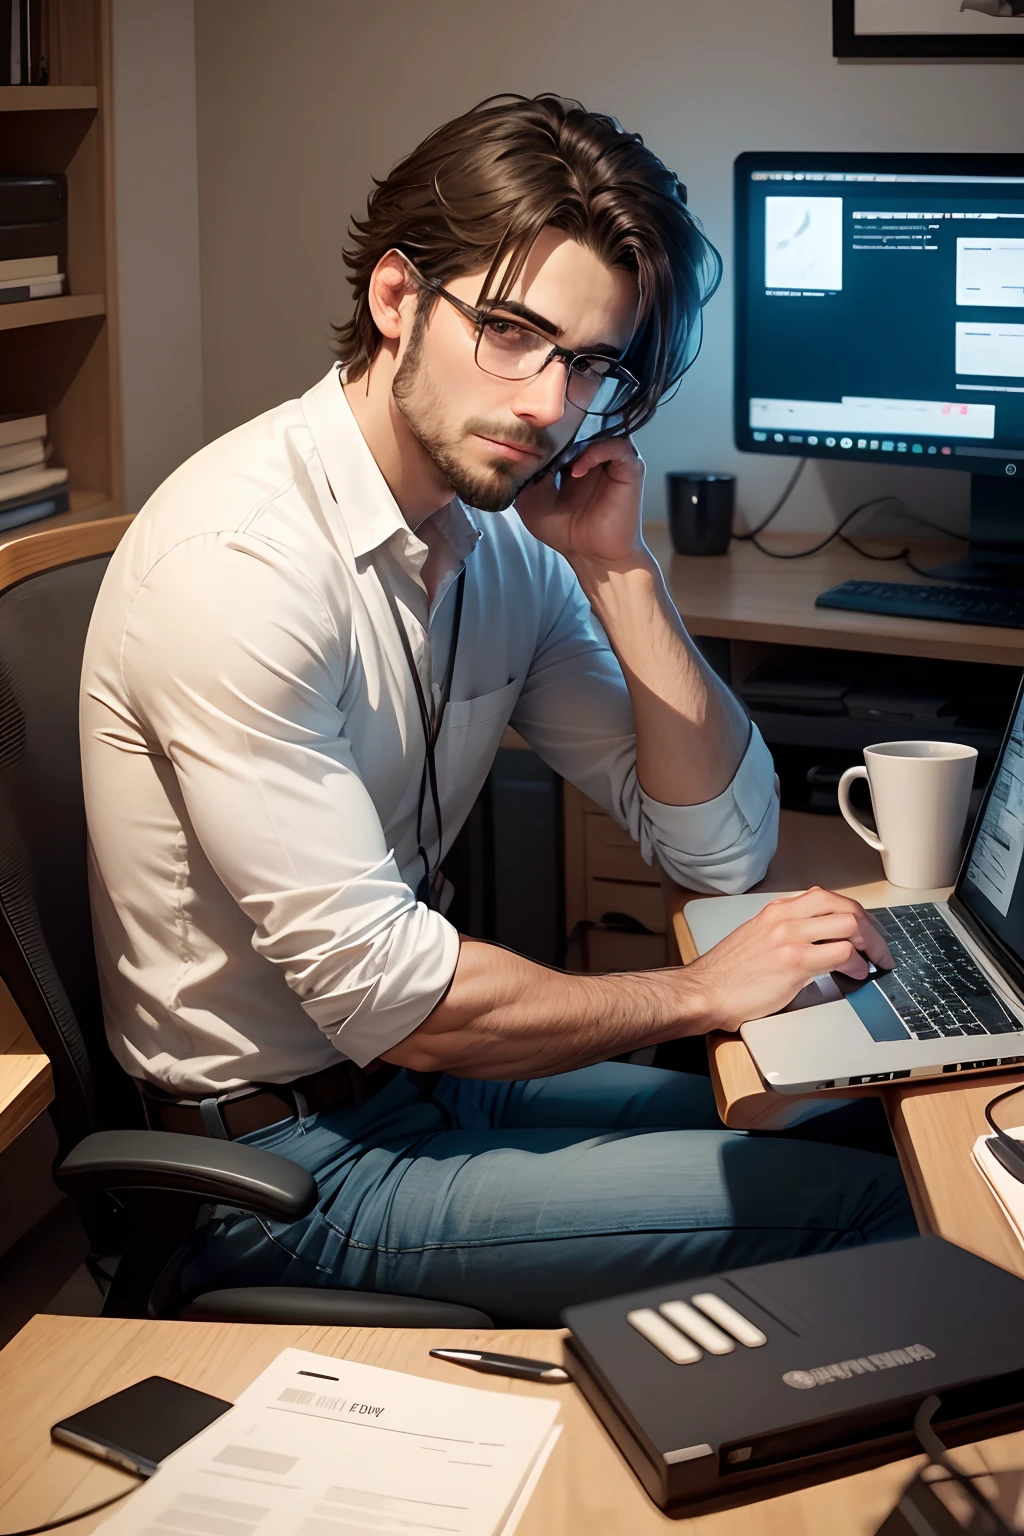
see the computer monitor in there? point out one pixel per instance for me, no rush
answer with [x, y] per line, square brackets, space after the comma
[880, 316]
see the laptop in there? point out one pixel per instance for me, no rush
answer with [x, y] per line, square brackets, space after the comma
[955, 1000]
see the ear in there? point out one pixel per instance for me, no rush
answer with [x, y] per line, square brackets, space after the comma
[391, 295]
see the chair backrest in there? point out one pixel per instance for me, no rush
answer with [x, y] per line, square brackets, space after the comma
[46, 944]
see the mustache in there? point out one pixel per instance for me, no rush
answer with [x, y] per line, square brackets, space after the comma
[517, 433]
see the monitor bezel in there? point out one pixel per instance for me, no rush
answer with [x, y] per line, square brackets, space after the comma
[846, 160]
[1009, 964]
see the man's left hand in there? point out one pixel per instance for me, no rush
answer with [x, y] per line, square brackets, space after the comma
[591, 511]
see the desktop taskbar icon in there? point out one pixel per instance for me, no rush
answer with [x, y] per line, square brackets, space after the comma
[862, 444]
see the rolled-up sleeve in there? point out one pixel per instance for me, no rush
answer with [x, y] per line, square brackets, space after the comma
[575, 711]
[242, 697]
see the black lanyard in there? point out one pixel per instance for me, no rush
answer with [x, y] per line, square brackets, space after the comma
[429, 889]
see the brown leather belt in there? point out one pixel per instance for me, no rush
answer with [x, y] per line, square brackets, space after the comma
[244, 1110]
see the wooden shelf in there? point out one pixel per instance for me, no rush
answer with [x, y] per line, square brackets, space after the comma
[70, 306]
[48, 98]
[26, 1081]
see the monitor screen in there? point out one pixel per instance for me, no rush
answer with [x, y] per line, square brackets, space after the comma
[991, 886]
[880, 308]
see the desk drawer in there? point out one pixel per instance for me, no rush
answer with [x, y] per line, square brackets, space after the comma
[625, 951]
[612, 854]
[644, 902]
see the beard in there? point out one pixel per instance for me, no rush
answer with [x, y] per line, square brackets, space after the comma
[422, 406]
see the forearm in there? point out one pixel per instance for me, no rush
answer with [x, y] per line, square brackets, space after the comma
[691, 733]
[505, 1017]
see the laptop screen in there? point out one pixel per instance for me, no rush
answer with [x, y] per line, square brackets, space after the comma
[991, 886]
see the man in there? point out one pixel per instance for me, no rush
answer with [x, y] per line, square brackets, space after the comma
[301, 662]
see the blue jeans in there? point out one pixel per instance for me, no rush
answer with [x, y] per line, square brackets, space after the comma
[521, 1198]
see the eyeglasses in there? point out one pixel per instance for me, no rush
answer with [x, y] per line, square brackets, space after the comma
[509, 348]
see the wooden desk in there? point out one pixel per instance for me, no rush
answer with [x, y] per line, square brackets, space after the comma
[59, 1364]
[934, 1124]
[745, 595]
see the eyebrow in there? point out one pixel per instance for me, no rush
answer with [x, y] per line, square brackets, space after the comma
[513, 307]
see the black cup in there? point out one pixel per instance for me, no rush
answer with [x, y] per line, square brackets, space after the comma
[700, 508]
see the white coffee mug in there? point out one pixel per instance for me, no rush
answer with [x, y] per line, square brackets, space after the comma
[919, 794]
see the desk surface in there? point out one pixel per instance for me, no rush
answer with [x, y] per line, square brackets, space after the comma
[934, 1124]
[59, 1364]
[745, 595]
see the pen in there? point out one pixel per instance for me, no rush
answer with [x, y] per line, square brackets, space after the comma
[503, 1365]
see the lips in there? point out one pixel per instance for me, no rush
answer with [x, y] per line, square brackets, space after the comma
[510, 450]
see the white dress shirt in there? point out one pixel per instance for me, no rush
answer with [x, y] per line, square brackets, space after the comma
[252, 750]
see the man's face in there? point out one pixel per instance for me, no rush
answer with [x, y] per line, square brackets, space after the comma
[487, 435]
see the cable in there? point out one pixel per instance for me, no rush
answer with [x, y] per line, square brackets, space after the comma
[837, 533]
[936, 1452]
[79, 1514]
[763, 524]
[990, 1106]
[800, 554]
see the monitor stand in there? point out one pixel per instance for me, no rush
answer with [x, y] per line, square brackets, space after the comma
[996, 555]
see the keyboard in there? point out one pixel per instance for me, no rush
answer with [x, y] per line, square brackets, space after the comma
[936, 989]
[956, 605]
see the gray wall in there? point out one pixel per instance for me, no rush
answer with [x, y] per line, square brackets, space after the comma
[299, 104]
[157, 217]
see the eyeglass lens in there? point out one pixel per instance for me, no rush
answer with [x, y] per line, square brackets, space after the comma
[509, 351]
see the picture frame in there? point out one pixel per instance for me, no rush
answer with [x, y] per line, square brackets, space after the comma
[978, 36]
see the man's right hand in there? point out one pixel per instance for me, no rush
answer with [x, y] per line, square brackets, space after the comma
[506, 1017]
[763, 964]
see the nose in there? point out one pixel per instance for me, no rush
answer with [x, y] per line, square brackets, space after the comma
[541, 399]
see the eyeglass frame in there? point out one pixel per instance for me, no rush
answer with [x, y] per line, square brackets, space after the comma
[480, 317]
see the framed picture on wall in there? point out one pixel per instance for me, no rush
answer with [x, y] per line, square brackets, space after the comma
[952, 29]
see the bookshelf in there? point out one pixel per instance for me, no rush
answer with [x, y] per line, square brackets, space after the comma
[61, 355]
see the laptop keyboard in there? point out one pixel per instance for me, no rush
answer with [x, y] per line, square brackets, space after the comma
[936, 988]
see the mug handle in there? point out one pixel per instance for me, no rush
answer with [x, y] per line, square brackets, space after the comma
[860, 772]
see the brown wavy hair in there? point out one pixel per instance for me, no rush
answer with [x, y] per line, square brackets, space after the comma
[478, 191]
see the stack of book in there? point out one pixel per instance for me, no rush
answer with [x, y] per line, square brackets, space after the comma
[29, 487]
[30, 277]
[33, 236]
[24, 42]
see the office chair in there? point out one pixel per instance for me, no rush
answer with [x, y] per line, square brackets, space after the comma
[139, 1192]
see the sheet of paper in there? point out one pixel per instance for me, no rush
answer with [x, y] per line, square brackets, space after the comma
[324, 1447]
[1007, 1190]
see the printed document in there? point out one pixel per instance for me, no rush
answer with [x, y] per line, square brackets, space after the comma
[1007, 1190]
[324, 1447]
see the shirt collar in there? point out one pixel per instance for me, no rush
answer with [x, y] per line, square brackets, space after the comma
[365, 504]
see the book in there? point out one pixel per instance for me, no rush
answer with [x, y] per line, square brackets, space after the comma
[22, 455]
[24, 482]
[21, 429]
[43, 239]
[28, 267]
[40, 288]
[33, 199]
[31, 511]
[28, 282]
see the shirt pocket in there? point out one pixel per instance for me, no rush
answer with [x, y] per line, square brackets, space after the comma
[472, 731]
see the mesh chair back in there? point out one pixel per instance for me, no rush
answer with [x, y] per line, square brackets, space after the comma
[46, 944]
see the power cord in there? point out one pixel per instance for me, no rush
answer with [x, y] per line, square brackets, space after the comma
[937, 1453]
[763, 524]
[751, 535]
[79, 1514]
[837, 533]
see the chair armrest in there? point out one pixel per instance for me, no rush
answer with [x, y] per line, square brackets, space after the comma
[221, 1172]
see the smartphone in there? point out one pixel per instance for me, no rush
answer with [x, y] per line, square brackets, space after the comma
[135, 1429]
[567, 455]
